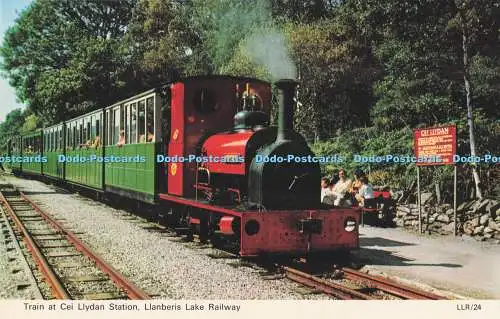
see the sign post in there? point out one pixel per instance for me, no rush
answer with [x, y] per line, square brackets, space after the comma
[418, 201]
[436, 146]
[455, 199]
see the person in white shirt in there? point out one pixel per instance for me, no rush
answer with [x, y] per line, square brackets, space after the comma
[326, 193]
[365, 191]
[341, 188]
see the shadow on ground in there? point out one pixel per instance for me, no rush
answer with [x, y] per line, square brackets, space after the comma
[382, 242]
[372, 256]
[39, 193]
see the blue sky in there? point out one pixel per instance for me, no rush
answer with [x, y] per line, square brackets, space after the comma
[9, 11]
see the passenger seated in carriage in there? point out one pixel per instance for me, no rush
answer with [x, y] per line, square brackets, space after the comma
[121, 140]
[341, 189]
[356, 184]
[97, 142]
[327, 197]
[365, 195]
[335, 177]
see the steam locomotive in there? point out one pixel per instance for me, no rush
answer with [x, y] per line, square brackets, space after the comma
[229, 174]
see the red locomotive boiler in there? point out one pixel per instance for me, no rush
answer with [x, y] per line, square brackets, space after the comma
[247, 189]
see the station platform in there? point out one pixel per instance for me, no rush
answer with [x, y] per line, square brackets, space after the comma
[462, 266]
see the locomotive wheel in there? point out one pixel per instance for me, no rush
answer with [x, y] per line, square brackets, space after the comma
[173, 217]
[216, 240]
[190, 233]
[204, 228]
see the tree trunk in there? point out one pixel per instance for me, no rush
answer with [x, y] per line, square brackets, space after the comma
[438, 192]
[468, 92]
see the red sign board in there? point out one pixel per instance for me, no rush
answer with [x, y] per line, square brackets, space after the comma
[435, 145]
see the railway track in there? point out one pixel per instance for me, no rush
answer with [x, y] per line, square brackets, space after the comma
[351, 284]
[69, 267]
[368, 287]
[358, 285]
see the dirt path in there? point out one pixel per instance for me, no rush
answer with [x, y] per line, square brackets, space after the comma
[468, 268]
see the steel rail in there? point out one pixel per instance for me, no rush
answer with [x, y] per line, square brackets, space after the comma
[324, 286]
[132, 291]
[389, 286]
[57, 288]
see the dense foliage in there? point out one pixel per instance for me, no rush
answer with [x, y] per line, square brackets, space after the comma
[370, 70]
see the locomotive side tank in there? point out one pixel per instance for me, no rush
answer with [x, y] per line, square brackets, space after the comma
[254, 174]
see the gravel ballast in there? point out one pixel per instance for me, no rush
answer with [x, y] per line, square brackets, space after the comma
[16, 279]
[160, 265]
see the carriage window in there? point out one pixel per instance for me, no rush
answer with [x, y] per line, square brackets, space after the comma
[205, 101]
[73, 135]
[83, 139]
[150, 120]
[108, 126]
[93, 130]
[97, 133]
[99, 125]
[61, 137]
[141, 121]
[77, 135]
[89, 132]
[127, 123]
[133, 123]
[80, 135]
[123, 128]
[116, 129]
[68, 137]
[83, 133]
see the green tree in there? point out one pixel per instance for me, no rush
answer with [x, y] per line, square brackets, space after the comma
[11, 126]
[66, 65]
[337, 72]
[30, 124]
[223, 24]
[434, 53]
[160, 42]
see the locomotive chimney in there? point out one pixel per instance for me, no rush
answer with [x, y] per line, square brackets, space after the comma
[286, 89]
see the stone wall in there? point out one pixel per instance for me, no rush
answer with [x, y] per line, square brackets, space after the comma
[479, 219]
